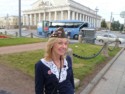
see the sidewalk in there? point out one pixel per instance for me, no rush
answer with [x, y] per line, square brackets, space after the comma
[22, 48]
[111, 78]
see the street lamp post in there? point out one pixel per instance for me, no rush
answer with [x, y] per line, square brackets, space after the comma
[20, 18]
[28, 21]
[110, 21]
[96, 10]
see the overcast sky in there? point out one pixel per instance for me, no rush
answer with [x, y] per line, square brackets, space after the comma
[105, 7]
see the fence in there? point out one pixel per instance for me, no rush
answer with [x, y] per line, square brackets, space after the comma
[16, 34]
[104, 51]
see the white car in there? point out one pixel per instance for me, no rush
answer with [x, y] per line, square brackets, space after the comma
[109, 37]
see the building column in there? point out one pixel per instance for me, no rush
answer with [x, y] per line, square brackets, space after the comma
[39, 17]
[80, 17]
[89, 19]
[62, 15]
[83, 17]
[93, 21]
[86, 18]
[55, 15]
[31, 22]
[69, 15]
[24, 19]
[49, 16]
[73, 15]
[76, 15]
[27, 19]
[44, 16]
[35, 19]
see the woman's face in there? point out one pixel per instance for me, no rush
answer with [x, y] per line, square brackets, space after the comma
[60, 47]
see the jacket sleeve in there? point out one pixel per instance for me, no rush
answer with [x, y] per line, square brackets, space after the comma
[39, 79]
[72, 75]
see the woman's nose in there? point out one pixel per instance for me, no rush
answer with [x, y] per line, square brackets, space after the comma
[64, 45]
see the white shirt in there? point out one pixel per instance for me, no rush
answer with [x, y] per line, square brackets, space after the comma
[55, 70]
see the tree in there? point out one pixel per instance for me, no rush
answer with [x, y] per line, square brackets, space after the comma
[121, 27]
[103, 24]
[115, 26]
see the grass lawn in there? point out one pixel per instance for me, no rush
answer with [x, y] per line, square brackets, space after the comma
[25, 61]
[18, 41]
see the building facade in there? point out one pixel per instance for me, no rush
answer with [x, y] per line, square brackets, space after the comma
[60, 10]
[9, 22]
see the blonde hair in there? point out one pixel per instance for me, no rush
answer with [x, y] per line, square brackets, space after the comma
[48, 51]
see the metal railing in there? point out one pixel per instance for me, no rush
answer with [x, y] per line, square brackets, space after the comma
[96, 54]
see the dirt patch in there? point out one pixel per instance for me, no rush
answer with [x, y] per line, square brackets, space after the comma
[13, 81]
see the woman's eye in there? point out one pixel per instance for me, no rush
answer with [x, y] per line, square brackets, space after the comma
[66, 43]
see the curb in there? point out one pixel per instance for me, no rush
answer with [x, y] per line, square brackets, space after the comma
[76, 82]
[98, 77]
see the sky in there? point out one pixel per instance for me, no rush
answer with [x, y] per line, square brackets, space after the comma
[105, 7]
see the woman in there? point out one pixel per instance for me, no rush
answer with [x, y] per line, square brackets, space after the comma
[53, 73]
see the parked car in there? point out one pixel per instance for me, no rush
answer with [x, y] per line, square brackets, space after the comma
[109, 37]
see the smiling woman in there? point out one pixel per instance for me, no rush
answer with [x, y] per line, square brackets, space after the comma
[53, 73]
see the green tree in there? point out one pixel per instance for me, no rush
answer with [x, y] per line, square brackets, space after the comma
[121, 27]
[115, 26]
[103, 24]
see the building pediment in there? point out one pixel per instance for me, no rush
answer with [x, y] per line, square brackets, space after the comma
[41, 3]
[49, 3]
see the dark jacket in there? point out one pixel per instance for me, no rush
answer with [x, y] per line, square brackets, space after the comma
[48, 83]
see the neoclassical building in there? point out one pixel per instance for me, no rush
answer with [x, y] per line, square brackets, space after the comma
[59, 10]
[9, 22]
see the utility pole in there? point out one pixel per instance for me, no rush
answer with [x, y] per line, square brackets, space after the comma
[124, 25]
[110, 22]
[20, 18]
[28, 21]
